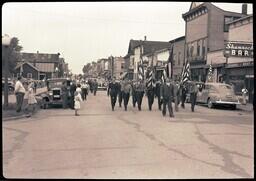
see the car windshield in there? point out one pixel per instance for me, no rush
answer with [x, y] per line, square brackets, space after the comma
[55, 84]
[226, 88]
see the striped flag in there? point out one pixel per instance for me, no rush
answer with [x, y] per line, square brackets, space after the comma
[169, 66]
[210, 74]
[149, 77]
[141, 68]
[185, 75]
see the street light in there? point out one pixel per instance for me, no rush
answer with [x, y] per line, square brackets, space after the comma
[6, 41]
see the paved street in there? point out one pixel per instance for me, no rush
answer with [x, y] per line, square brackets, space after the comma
[209, 143]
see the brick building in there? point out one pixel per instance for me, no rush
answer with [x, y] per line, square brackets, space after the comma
[206, 31]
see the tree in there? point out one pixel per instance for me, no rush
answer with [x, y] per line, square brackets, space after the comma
[13, 54]
[86, 68]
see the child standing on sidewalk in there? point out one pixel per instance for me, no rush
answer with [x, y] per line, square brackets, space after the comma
[78, 100]
[31, 101]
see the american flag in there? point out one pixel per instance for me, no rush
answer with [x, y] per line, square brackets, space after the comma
[140, 68]
[210, 74]
[169, 66]
[185, 73]
[149, 76]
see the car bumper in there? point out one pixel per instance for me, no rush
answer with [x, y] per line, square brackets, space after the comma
[227, 102]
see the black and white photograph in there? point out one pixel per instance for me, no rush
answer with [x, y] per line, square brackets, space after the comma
[127, 90]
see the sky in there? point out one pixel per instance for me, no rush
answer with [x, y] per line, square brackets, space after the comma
[83, 32]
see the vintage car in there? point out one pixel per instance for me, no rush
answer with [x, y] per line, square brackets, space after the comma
[200, 86]
[102, 85]
[54, 96]
[217, 94]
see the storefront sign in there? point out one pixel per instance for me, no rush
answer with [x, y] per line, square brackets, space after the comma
[242, 64]
[238, 49]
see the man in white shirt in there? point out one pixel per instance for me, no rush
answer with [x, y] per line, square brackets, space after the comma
[19, 92]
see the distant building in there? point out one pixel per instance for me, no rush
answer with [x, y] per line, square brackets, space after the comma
[144, 48]
[119, 67]
[45, 63]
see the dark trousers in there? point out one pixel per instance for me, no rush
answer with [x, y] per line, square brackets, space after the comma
[126, 97]
[193, 101]
[176, 102]
[134, 99]
[94, 92]
[159, 102]
[113, 100]
[183, 99]
[72, 102]
[139, 97]
[65, 100]
[167, 102]
[120, 98]
[19, 100]
[84, 94]
[150, 95]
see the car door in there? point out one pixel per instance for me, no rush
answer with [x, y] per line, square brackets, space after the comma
[205, 94]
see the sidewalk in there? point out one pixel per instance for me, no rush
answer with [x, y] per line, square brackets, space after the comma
[248, 107]
[11, 114]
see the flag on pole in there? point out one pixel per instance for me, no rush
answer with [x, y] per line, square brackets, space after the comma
[164, 76]
[185, 73]
[169, 66]
[140, 68]
[210, 74]
[149, 77]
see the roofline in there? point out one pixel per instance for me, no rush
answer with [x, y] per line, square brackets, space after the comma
[205, 4]
[177, 39]
[240, 19]
[28, 64]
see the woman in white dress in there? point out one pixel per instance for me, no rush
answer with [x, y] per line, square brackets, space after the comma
[78, 100]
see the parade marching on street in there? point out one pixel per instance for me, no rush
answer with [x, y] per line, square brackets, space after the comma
[101, 143]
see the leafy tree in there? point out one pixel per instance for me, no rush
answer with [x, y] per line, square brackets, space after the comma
[13, 54]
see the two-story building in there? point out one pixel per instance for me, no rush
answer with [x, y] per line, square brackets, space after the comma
[206, 31]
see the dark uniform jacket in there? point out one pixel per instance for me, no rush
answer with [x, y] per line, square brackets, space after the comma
[167, 92]
[113, 89]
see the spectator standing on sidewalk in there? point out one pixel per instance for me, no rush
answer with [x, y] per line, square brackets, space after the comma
[31, 101]
[19, 92]
[244, 93]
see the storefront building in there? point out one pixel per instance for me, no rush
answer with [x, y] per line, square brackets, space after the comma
[205, 32]
[239, 54]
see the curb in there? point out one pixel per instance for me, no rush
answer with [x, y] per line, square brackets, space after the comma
[14, 118]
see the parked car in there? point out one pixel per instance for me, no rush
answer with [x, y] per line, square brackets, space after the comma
[200, 86]
[54, 94]
[218, 94]
[102, 84]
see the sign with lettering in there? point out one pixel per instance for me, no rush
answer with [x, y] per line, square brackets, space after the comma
[238, 49]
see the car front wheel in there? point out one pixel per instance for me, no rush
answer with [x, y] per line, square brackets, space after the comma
[209, 103]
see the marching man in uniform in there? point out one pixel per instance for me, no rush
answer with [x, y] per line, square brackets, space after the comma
[167, 94]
